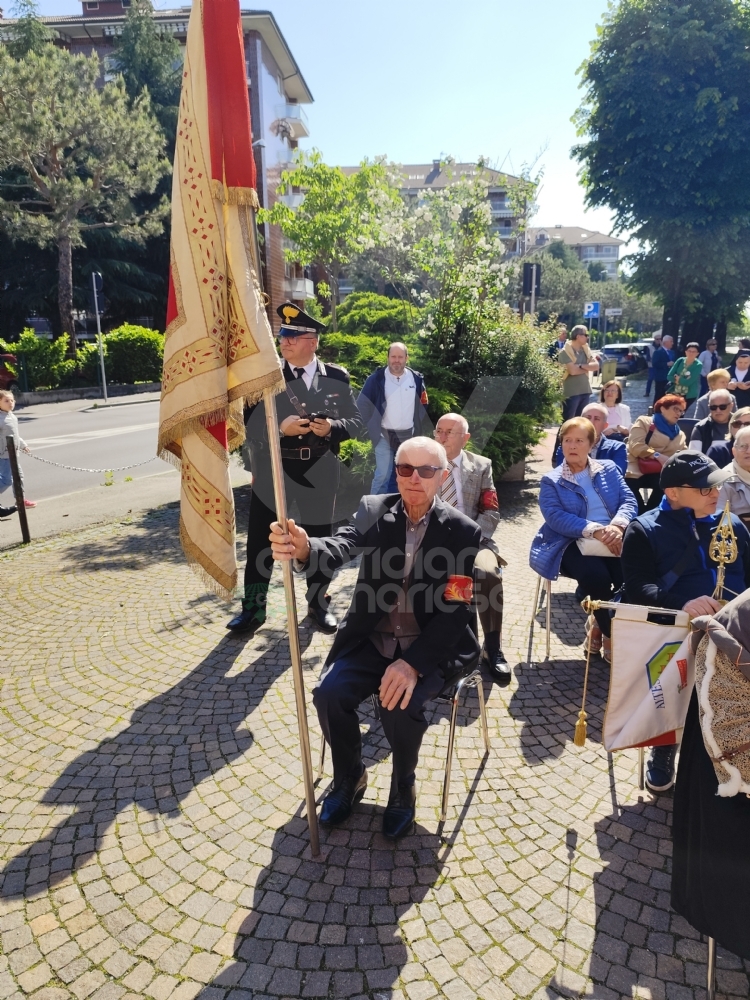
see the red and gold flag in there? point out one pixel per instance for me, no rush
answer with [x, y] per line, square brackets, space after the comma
[219, 347]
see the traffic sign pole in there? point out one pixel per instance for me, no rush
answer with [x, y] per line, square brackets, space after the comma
[94, 283]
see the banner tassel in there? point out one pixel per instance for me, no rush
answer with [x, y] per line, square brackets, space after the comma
[579, 737]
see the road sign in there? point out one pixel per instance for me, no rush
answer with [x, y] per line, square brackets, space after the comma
[613, 312]
[591, 310]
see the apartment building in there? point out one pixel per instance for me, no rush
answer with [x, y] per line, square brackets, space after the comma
[278, 94]
[591, 247]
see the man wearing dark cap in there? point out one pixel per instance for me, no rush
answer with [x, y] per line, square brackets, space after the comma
[315, 415]
[666, 560]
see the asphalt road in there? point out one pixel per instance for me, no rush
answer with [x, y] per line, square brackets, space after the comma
[92, 438]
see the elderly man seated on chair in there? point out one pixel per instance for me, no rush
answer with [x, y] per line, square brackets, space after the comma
[409, 629]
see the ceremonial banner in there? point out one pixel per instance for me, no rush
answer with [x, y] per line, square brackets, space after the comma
[651, 678]
[219, 347]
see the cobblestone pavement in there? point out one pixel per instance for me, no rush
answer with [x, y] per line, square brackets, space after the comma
[152, 843]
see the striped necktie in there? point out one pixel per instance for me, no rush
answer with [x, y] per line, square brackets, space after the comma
[448, 490]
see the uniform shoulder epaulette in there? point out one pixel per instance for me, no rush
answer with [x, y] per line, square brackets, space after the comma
[338, 372]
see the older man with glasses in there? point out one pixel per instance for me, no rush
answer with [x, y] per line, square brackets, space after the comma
[714, 427]
[316, 414]
[471, 489]
[411, 619]
[720, 452]
[666, 560]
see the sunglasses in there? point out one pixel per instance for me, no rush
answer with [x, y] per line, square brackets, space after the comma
[720, 406]
[424, 471]
[741, 423]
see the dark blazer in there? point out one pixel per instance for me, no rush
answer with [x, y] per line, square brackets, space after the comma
[330, 392]
[378, 533]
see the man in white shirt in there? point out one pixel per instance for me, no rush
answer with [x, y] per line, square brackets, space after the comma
[471, 490]
[392, 404]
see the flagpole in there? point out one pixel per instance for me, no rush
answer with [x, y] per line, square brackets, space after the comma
[279, 492]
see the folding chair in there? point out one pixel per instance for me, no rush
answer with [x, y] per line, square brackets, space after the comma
[449, 693]
[535, 609]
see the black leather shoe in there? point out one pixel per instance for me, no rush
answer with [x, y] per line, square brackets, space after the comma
[246, 622]
[398, 818]
[497, 665]
[7, 511]
[323, 619]
[338, 804]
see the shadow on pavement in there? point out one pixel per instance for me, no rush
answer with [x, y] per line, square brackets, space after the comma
[330, 926]
[548, 699]
[173, 742]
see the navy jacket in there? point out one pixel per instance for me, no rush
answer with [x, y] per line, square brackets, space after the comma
[653, 546]
[439, 583]
[614, 451]
[371, 402]
[661, 362]
[564, 507]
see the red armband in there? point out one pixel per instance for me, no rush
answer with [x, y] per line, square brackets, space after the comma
[424, 399]
[459, 588]
[488, 500]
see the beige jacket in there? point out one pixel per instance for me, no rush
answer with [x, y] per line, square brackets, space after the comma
[637, 447]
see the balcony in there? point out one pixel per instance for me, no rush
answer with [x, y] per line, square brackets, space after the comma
[292, 120]
[299, 289]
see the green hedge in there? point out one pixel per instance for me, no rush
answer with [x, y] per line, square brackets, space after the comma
[134, 354]
[47, 364]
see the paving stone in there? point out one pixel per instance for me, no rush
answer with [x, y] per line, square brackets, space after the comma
[151, 790]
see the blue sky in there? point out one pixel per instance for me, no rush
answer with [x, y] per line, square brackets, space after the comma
[417, 80]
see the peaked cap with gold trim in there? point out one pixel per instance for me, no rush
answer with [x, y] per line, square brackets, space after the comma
[294, 321]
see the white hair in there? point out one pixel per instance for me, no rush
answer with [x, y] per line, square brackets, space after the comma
[429, 444]
[464, 423]
[740, 432]
[595, 406]
[715, 393]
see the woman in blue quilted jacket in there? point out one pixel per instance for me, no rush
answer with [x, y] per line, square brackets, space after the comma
[587, 506]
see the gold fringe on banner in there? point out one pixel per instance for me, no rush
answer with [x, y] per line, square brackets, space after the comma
[234, 195]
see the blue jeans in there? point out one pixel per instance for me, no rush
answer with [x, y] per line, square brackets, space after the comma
[6, 476]
[384, 480]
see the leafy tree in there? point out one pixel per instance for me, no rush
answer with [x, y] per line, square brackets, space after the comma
[666, 129]
[134, 354]
[338, 219]
[80, 153]
[151, 60]
[565, 254]
[367, 312]
[28, 34]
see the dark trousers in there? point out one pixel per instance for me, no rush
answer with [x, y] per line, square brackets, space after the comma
[649, 381]
[573, 405]
[597, 576]
[660, 389]
[648, 482]
[344, 686]
[315, 497]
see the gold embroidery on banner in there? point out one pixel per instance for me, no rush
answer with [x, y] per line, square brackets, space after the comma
[196, 359]
[221, 582]
[208, 502]
[180, 319]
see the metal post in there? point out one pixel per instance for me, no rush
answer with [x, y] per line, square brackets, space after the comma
[274, 445]
[533, 289]
[18, 489]
[711, 977]
[99, 334]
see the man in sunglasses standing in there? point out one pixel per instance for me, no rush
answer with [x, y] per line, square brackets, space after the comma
[316, 413]
[666, 561]
[714, 427]
[409, 627]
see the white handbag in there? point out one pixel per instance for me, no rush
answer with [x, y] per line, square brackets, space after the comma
[593, 547]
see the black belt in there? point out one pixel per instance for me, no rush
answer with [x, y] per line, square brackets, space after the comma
[302, 454]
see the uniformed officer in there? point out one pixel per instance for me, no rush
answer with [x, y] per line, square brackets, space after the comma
[316, 414]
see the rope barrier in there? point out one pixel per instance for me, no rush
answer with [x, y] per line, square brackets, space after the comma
[76, 468]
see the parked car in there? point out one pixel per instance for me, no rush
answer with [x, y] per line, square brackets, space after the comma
[8, 377]
[629, 357]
